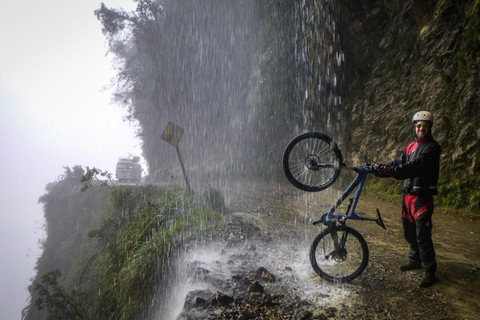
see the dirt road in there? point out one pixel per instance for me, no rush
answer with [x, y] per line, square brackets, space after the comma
[382, 291]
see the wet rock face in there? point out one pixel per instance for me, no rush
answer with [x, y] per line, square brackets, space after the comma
[365, 27]
[197, 299]
[362, 26]
[406, 56]
[264, 275]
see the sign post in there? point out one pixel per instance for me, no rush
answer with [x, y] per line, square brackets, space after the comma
[172, 135]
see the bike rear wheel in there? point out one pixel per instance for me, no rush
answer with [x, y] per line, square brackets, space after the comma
[344, 264]
[312, 161]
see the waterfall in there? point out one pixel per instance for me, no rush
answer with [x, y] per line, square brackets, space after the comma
[241, 79]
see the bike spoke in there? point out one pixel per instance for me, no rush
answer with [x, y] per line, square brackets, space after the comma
[339, 263]
[312, 161]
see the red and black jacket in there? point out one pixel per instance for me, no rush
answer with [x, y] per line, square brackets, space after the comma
[419, 167]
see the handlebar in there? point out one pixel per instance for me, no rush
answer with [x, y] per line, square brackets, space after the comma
[366, 169]
[361, 169]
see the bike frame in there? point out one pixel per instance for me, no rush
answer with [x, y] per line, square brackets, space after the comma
[330, 218]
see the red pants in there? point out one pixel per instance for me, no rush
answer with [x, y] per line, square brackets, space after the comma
[417, 214]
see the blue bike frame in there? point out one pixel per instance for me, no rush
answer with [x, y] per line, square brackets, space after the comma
[359, 182]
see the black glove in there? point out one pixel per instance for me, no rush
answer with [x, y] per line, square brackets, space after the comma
[381, 170]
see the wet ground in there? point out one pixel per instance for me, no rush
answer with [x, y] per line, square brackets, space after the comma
[278, 241]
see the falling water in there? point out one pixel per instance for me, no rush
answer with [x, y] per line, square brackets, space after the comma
[241, 78]
[318, 52]
[208, 269]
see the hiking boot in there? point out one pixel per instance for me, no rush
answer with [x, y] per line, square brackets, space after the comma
[412, 265]
[428, 279]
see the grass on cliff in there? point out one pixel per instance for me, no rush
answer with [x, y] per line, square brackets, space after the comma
[130, 251]
[137, 254]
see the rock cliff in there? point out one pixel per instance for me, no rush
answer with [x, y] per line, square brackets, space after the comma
[405, 56]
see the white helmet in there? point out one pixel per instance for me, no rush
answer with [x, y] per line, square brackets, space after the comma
[422, 115]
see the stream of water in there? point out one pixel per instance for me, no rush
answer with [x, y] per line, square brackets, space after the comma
[208, 269]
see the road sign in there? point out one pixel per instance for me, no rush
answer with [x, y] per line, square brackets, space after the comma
[172, 134]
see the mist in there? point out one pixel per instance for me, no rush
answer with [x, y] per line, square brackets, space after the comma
[56, 111]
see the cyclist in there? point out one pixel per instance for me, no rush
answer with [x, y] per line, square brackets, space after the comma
[418, 167]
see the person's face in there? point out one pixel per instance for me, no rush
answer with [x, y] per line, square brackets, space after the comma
[422, 129]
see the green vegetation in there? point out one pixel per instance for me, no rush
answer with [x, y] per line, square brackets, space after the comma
[60, 304]
[107, 248]
[453, 192]
[388, 187]
[456, 192]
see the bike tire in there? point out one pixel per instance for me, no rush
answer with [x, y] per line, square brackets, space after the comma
[312, 161]
[339, 269]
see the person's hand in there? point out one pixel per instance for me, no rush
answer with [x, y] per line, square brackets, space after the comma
[381, 170]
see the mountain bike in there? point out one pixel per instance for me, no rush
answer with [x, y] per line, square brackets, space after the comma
[312, 162]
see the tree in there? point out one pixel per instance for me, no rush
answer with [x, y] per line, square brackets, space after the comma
[96, 177]
[60, 304]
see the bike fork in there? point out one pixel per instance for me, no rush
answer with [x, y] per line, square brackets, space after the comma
[339, 244]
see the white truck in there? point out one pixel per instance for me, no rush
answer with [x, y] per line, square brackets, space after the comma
[129, 170]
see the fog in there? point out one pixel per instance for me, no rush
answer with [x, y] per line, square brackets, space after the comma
[55, 111]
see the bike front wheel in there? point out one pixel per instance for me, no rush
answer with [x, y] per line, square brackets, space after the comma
[346, 262]
[312, 161]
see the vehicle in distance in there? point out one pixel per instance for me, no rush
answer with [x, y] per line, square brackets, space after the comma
[129, 170]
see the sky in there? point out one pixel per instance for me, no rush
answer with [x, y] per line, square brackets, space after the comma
[55, 111]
